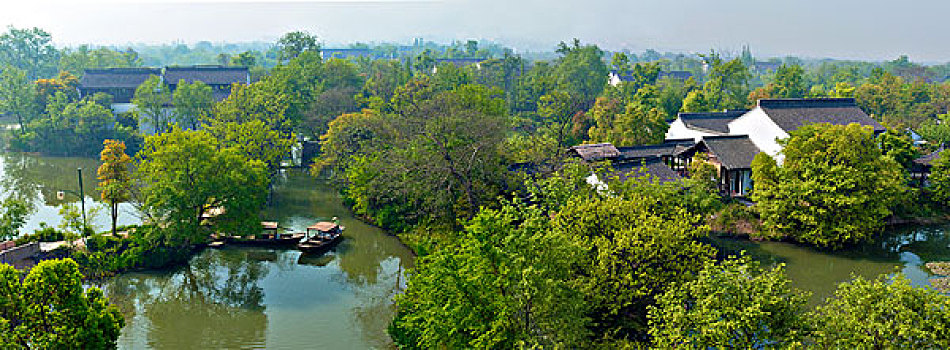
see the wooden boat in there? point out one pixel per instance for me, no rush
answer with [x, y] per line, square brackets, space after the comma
[268, 237]
[321, 237]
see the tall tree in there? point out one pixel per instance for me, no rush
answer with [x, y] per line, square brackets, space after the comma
[30, 50]
[293, 44]
[49, 309]
[115, 177]
[151, 99]
[581, 72]
[13, 214]
[16, 95]
[834, 188]
[192, 103]
[183, 173]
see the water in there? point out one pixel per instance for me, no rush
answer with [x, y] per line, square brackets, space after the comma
[241, 297]
[904, 249]
[265, 298]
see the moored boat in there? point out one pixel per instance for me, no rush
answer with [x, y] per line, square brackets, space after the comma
[320, 237]
[270, 236]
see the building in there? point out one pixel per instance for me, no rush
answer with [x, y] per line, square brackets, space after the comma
[614, 78]
[118, 82]
[732, 156]
[697, 125]
[122, 82]
[219, 78]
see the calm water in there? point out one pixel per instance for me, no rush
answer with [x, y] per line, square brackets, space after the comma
[264, 298]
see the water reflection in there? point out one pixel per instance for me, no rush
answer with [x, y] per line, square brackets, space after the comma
[904, 249]
[266, 298]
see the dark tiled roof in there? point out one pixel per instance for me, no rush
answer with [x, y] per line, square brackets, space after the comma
[733, 152]
[717, 122]
[595, 152]
[460, 62]
[928, 160]
[117, 77]
[676, 74]
[667, 148]
[211, 75]
[791, 114]
[650, 167]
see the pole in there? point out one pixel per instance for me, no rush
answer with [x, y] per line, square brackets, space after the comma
[82, 202]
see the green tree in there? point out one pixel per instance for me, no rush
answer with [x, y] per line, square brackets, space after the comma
[115, 177]
[940, 178]
[50, 310]
[77, 60]
[727, 86]
[506, 283]
[790, 81]
[883, 314]
[185, 173]
[151, 99]
[13, 214]
[899, 146]
[192, 103]
[16, 95]
[634, 124]
[30, 50]
[292, 44]
[834, 188]
[635, 248]
[581, 72]
[734, 304]
[244, 59]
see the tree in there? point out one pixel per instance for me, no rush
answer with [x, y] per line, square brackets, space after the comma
[244, 59]
[16, 95]
[635, 124]
[505, 284]
[834, 188]
[49, 310]
[30, 50]
[899, 146]
[150, 99]
[734, 304]
[727, 86]
[293, 44]
[183, 173]
[790, 81]
[115, 178]
[883, 314]
[635, 247]
[192, 103]
[581, 72]
[940, 178]
[13, 214]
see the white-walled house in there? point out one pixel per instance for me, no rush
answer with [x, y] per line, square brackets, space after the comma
[697, 125]
[772, 119]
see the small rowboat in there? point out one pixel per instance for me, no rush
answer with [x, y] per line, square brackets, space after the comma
[321, 237]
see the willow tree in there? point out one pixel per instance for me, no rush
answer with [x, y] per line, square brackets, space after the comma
[115, 178]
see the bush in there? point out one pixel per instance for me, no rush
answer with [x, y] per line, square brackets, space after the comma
[739, 220]
[45, 234]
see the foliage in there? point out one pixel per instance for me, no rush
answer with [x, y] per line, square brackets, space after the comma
[504, 284]
[834, 188]
[72, 127]
[115, 178]
[727, 87]
[77, 60]
[50, 310]
[581, 71]
[940, 178]
[292, 44]
[883, 314]
[13, 214]
[635, 248]
[185, 173]
[45, 234]
[192, 103]
[732, 304]
[30, 50]
[150, 99]
[629, 125]
[16, 95]
[899, 146]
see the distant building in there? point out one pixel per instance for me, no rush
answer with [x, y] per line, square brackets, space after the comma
[219, 78]
[614, 78]
[118, 82]
[122, 82]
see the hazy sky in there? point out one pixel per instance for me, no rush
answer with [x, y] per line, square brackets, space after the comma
[865, 29]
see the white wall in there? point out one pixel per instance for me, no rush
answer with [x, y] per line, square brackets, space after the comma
[678, 130]
[762, 131]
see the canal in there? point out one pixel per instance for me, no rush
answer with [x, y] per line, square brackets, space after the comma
[265, 298]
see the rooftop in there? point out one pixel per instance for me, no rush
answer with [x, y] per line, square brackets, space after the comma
[652, 167]
[733, 152]
[791, 114]
[117, 77]
[595, 152]
[715, 122]
[667, 148]
[211, 75]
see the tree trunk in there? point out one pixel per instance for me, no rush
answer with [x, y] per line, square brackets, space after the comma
[115, 216]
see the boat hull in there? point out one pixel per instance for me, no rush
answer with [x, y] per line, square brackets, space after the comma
[311, 247]
[265, 242]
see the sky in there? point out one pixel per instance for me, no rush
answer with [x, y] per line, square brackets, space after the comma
[844, 29]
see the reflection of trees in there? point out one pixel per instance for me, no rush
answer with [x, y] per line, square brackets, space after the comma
[215, 301]
[41, 177]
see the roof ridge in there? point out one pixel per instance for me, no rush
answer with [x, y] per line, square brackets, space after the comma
[816, 102]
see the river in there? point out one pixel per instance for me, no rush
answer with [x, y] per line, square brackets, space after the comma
[265, 298]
